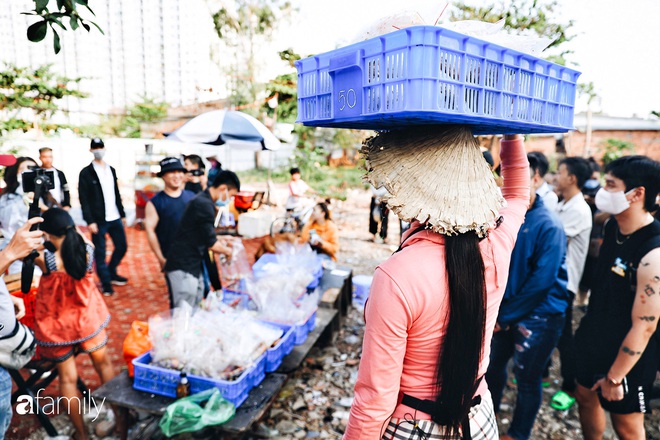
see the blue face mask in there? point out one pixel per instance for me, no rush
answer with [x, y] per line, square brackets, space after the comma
[222, 203]
[591, 184]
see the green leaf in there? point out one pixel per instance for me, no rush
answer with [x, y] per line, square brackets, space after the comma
[40, 5]
[73, 23]
[90, 10]
[37, 31]
[56, 21]
[60, 4]
[97, 27]
[85, 25]
[56, 42]
[82, 2]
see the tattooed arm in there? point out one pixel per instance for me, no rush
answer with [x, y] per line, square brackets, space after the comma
[645, 315]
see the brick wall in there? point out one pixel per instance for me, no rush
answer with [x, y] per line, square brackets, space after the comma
[646, 143]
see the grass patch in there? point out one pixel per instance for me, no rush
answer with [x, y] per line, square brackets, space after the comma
[328, 181]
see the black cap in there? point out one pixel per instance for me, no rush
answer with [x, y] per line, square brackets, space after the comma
[170, 164]
[96, 143]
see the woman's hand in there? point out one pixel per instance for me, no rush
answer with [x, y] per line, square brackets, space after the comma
[608, 391]
[24, 241]
[19, 306]
[511, 137]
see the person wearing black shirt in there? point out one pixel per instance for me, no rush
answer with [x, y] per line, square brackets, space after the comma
[196, 236]
[60, 195]
[164, 211]
[617, 353]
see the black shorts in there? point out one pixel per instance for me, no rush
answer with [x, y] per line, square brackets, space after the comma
[636, 399]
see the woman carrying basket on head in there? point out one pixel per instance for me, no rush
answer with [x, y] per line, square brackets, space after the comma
[434, 303]
[70, 313]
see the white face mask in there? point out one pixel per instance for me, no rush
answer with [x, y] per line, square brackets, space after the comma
[612, 202]
[98, 153]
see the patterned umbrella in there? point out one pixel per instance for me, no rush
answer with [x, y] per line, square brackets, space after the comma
[234, 128]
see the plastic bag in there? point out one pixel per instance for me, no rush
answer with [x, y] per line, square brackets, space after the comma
[137, 342]
[188, 414]
[237, 267]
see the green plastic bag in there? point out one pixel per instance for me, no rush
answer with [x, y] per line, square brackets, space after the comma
[187, 414]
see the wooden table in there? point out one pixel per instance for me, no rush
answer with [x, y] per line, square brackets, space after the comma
[119, 391]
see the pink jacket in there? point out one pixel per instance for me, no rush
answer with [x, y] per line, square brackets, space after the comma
[407, 305]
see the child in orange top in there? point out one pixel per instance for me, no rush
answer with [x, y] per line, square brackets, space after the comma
[70, 312]
[325, 237]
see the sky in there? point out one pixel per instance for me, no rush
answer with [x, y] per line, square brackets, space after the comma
[617, 44]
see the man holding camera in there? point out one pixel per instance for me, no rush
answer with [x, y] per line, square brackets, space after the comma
[59, 195]
[104, 213]
[164, 211]
[196, 180]
[12, 308]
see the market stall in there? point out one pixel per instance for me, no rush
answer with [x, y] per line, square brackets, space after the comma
[147, 182]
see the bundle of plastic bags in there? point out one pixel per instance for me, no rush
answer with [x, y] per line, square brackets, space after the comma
[279, 288]
[492, 32]
[216, 343]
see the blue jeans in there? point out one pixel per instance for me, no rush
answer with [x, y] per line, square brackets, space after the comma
[530, 343]
[5, 401]
[116, 231]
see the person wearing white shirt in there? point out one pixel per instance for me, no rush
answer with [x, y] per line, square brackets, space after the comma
[104, 213]
[575, 215]
[546, 192]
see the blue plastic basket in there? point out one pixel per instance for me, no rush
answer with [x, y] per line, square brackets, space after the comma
[162, 381]
[302, 330]
[362, 286]
[431, 75]
[258, 372]
[284, 346]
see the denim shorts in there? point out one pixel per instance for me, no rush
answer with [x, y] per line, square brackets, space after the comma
[5, 402]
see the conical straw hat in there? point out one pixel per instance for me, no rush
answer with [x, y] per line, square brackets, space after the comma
[436, 175]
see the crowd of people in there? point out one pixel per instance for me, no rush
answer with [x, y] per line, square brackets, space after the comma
[562, 240]
[70, 313]
[448, 312]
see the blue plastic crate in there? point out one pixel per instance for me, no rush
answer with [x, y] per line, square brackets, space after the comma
[258, 372]
[284, 346]
[302, 330]
[431, 75]
[162, 381]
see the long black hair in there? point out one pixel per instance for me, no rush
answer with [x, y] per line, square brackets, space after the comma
[12, 179]
[462, 346]
[58, 222]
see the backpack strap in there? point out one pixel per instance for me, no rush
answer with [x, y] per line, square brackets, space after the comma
[419, 229]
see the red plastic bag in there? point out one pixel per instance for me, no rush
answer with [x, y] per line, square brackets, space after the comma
[136, 343]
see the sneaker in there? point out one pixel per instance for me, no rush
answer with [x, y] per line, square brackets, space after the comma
[119, 280]
[108, 290]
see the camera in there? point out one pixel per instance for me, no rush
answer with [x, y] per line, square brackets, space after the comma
[38, 175]
[196, 173]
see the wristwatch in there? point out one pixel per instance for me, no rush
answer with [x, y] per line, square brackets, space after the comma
[614, 383]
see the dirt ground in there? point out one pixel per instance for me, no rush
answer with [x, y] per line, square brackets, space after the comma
[316, 401]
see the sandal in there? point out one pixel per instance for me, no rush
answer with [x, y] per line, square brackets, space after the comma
[562, 401]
